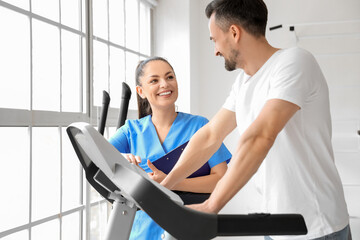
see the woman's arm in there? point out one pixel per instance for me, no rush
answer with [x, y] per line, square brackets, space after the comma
[203, 184]
[202, 145]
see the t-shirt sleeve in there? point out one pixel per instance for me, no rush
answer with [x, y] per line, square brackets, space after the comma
[120, 139]
[292, 78]
[230, 101]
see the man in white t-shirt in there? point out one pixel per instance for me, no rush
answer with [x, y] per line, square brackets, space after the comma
[280, 105]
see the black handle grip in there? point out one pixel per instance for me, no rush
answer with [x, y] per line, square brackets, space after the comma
[124, 106]
[104, 111]
[261, 224]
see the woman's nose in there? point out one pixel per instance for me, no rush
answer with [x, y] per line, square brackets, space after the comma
[163, 83]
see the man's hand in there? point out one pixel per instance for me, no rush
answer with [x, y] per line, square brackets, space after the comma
[203, 207]
[157, 175]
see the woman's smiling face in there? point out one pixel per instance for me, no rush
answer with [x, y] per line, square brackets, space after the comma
[158, 84]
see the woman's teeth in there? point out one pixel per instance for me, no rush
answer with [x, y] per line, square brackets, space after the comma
[165, 93]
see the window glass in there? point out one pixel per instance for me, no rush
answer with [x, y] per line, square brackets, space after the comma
[111, 131]
[46, 67]
[70, 13]
[98, 220]
[45, 172]
[14, 177]
[71, 178]
[117, 75]
[132, 60]
[46, 8]
[100, 21]
[94, 195]
[132, 24]
[71, 74]
[116, 21]
[19, 3]
[70, 227]
[145, 27]
[14, 55]
[101, 71]
[84, 78]
[83, 15]
[46, 231]
[23, 235]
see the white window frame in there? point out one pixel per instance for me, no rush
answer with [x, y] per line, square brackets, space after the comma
[36, 118]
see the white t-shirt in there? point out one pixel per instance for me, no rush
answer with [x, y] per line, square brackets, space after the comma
[298, 175]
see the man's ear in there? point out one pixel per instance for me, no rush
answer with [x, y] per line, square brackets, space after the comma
[235, 31]
[139, 91]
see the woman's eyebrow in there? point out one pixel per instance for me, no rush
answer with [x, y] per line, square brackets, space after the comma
[169, 72]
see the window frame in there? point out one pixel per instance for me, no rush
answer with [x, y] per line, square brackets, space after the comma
[31, 118]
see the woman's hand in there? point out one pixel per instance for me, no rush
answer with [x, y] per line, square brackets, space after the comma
[132, 159]
[157, 175]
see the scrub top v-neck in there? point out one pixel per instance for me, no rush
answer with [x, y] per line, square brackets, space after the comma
[139, 137]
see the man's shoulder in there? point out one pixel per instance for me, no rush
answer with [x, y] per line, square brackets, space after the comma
[296, 53]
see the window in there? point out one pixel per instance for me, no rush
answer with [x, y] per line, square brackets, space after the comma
[55, 62]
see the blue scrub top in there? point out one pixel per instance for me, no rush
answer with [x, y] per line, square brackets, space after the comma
[139, 137]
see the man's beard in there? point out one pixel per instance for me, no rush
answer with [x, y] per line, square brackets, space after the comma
[230, 64]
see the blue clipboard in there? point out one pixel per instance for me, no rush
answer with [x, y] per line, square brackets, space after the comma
[168, 161]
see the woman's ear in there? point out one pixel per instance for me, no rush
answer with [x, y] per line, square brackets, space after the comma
[139, 91]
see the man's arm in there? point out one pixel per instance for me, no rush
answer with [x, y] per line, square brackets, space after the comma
[203, 144]
[253, 146]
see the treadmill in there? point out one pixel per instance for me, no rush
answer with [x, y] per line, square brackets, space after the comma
[129, 188]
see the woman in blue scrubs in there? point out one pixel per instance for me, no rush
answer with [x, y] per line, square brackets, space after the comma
[159, 130]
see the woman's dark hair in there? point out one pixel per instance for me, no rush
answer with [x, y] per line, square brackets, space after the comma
[249, 14]
[144, 107]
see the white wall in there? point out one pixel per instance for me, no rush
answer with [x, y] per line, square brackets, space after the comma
[171, 37]
[330, 29]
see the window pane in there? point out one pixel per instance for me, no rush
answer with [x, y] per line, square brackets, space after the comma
[14, 179]
[84, 77]
[71, 227]
[46, 8]
[116, 17]
[83, 22]
[70, 175]
[46, 231]
[101, 71]
[98, 221]
[117, 75]
[145, 27]
[19, 3]
[132, 25]
[71, 73]
[70, 13]
[100, 24]
[23, 235]
[45, 172]
[94, 195]
[112, 131]
[132, 61]
[14, 60]
[46, 67]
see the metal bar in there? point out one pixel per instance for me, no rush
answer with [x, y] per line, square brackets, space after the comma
[41, 18]
[43, 220]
